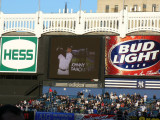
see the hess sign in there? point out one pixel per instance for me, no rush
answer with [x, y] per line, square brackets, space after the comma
[18, 54]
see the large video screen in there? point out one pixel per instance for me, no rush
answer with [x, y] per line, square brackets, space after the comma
[133, 55]
[74, 57]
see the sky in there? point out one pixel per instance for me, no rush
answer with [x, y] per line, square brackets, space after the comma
[46, 6]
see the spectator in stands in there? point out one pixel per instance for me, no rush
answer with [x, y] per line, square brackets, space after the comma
[144, 113]
[50, 94]
[111, 96]
[54, 93]
[92, 96]
[81, 93]
[44, 96]
[107, 95]
[125, 115]
[120, 96]
[119, 114]
[89, 95]
[157, 107]
[154, 96]
[128, 96]
[118, 105]
[98, 104]
[138, 96]
[124, 97]
[145, 97]
[78, 94]
[9, 112]
[135, 96]
[158, 115]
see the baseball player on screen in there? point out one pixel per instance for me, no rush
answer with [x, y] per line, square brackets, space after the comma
[64, 62]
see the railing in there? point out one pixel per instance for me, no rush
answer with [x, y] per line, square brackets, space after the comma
[17, 22]
[59, 23]
[101, 22]
[80, 23]
[143, 21]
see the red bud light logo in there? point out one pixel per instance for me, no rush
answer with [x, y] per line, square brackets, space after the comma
[135, 54]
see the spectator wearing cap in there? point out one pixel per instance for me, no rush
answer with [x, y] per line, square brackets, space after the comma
[50, 94]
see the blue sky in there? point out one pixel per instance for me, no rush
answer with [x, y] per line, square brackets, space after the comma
[47, 6]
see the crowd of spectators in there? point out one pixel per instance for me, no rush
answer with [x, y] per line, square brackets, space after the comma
[108, 104]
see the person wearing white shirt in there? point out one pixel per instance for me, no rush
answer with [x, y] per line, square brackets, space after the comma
[120, 96]
[145, 98]
[64, 62]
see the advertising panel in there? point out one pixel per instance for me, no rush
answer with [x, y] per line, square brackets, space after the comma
[133, 55]
[98, 117]
[54, 116]
[19, 54]
[132, 83]
[149, 118]
[74, 57]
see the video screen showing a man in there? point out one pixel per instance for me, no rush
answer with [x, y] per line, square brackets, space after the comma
[74, 57]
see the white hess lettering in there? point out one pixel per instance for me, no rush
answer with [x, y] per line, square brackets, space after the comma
[137, 52]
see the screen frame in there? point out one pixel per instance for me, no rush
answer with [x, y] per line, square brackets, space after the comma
[100, 64]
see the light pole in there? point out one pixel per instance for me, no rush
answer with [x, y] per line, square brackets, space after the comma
[0, 5]
[123, 4]
[80, 13]
[39, 5]
[123, 11]
[38, 10]
[80, 6]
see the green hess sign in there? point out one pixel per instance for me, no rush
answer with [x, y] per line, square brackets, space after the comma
[19, 54]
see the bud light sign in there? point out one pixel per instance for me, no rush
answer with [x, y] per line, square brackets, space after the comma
[133, 55]
[18, 54]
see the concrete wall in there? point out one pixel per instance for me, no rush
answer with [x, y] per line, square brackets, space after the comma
[101, 5]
